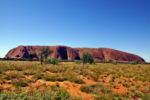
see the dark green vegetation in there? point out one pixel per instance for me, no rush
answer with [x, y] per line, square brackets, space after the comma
[52, 61]
[87, 58]
[44, 59]
[45, 52]
[102, 81]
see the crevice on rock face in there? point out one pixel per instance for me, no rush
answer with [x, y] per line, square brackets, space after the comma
[62, 51]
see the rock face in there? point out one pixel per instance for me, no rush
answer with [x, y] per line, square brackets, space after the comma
[68, 53]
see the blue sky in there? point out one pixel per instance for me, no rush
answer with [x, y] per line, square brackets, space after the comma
[118, 24]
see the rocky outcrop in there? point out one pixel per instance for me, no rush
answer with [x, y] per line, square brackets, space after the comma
[68, 53]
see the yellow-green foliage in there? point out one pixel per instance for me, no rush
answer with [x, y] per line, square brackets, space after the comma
[18, 71]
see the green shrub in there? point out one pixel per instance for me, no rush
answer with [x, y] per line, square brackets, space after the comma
[134, 62]
[55, 78]
[38, 76]
[78, 62]
[86, 89]
[146, 97]
[104, 97]
[59, 94]
[45, 52]
[52, 61]
[77, 80]
[115, 62]
[96, 89]
[21, 82]
[87, 58]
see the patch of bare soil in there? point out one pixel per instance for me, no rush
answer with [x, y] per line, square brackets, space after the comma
[120, 90]
[72, 88]
[6, 87]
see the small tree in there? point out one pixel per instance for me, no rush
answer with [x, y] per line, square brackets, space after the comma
[87, 58]
[41, 58]
[45, 52]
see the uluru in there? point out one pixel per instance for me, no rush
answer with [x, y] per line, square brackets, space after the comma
[69, 53]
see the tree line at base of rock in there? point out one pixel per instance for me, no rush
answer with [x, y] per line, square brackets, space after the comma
[86, 58]
[45, 52]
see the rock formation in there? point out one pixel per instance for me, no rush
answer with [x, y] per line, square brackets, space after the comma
[68, 53]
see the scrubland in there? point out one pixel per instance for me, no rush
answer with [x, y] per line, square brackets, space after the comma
[24, 80]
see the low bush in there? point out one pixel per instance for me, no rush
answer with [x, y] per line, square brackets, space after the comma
[134, 62]
[13, 75]
[96, 89]
[146, 97]
[59, 94]
[52, 61]
[21, 82]
[77, 80]
[38, 76]
[29, 72]
[78, 62]
[52, 78]
[115, 62]
[55, 78]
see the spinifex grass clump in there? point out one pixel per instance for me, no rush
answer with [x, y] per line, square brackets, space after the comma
[21, 82]
[96, 89]
[54, 78]
[52, 93]
[10, 75]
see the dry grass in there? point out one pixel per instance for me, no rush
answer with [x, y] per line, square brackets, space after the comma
[103, 81]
